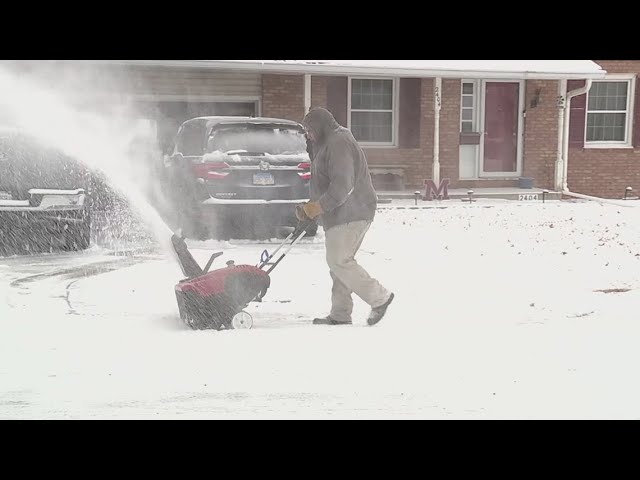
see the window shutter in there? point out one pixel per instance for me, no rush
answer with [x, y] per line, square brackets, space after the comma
[409, 113]
[577, 115]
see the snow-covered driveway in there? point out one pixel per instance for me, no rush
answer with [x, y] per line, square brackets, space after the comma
[502, 310]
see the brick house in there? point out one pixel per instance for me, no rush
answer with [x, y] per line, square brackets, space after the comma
[475, 123]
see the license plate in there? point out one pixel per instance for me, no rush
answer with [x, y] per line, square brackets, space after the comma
[263, 179]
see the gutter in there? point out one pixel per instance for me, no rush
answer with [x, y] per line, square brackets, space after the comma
[321, 68]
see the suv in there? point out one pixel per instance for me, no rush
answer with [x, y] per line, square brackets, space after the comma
[43, 197]
[238, 176]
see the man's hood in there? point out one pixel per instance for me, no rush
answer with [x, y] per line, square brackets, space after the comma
[321, 122]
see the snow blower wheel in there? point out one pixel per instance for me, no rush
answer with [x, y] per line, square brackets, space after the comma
[242, 320]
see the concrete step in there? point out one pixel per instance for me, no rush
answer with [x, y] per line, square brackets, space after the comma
[486, 193]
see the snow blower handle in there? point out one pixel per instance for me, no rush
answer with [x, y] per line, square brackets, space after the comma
[303, 225]
[296, 235]
[301, 231]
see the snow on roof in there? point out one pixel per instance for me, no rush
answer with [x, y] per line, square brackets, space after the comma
[513, 69]
[449, 68]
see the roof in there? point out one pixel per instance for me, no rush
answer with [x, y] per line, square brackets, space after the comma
[498, 69]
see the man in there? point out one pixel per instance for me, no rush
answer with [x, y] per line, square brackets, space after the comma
[343, 201]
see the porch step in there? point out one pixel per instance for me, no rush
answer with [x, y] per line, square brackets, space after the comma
[517, 194]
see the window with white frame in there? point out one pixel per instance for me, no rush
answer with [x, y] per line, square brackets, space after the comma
[608, 113]
[372, 110]
[468, 107]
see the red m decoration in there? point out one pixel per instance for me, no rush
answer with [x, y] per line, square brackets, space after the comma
[441, 191]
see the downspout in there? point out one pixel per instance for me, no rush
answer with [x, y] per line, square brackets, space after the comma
[437, 90]
[565, 143]
[307, 93]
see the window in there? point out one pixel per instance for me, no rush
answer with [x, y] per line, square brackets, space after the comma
[269, 139]
[609, 113]
[372, 111]
[467, 107]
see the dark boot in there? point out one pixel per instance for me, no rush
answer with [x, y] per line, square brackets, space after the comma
[377, 313]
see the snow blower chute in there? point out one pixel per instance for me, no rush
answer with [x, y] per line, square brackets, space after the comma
[217, 299]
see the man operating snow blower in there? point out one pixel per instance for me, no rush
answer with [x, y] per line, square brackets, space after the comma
[343, 201]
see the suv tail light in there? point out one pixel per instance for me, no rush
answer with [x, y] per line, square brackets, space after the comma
[305, 167]
[210, 171]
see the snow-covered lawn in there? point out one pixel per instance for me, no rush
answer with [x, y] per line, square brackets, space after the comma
[502, 310]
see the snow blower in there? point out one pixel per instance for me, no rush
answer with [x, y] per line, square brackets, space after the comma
[217, 299]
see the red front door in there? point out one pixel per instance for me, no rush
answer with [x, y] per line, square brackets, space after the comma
[501, 127]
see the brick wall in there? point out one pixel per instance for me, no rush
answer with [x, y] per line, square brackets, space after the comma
[283, 96]
[541, 132]
[450, 131]
[606, 172]
[318, 91]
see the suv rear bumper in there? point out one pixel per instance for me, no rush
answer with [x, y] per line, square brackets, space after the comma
[47, 201]
[224, 201]
[48, 213]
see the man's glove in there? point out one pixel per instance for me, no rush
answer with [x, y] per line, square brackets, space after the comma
[300, 215]
[312, 209]
[308, 211]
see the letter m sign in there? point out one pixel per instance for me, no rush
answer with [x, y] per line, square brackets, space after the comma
[441, 191]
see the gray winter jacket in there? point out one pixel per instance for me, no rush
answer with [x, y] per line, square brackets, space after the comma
[340, 178]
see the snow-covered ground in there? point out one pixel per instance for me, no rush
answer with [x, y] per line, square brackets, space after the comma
[502, 310]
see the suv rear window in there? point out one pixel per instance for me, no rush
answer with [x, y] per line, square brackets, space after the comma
[258, 139]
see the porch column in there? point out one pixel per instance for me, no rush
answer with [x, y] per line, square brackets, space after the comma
[560, 160]
[437, 91]
[307, 93]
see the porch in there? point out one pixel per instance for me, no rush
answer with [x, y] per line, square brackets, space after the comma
[458, 194]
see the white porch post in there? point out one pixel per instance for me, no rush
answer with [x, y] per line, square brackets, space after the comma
[437, 96]
[560, 160]
[307, 93]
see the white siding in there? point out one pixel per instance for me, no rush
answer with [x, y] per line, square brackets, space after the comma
[195, 83]
[468, 159]
[186, 84]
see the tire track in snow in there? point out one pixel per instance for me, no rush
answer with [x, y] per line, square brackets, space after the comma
[27, 284]
[86, 270]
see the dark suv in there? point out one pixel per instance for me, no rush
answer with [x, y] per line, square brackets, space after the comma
[44, 200]
[238, 176]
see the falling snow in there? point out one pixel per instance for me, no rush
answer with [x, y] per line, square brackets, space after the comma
[502, 310]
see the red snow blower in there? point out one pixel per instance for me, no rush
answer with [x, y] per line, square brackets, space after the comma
[217, 299]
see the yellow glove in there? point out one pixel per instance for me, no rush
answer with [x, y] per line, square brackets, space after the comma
[312, 209]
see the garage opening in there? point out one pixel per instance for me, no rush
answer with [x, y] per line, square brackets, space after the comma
[169, 115]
